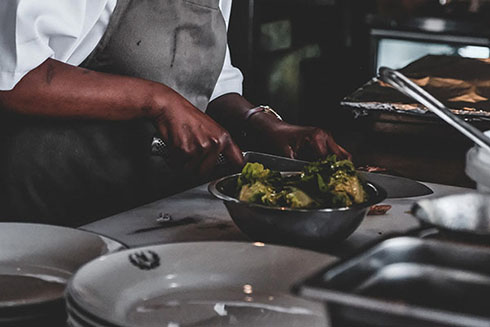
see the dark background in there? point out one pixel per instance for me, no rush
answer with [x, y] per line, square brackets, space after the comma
[302, 57]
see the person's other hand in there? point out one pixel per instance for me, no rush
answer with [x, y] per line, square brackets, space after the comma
[194, 138]
[302, 142]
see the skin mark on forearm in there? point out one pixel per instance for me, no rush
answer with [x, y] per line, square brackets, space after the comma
[146, 110]
[50, 73]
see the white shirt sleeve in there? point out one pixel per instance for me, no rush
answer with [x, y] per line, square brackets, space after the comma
[33, 31]
[230, 80]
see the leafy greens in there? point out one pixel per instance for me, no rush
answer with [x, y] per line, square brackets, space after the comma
[328, 183]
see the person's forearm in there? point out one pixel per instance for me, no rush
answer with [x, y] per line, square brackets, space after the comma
[56, 89]
[230, 111]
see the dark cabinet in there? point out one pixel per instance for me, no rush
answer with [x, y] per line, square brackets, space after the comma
[298, 56]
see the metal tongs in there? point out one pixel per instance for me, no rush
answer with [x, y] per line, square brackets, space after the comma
[409, 88]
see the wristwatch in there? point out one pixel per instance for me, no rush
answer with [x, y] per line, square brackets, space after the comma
[261, 108]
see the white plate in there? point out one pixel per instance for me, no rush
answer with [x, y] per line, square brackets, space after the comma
[200, 284]
[37, 260]
[78, 318]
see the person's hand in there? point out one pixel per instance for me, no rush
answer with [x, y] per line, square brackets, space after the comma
[195, 139]
[265, 132]
[301, 142]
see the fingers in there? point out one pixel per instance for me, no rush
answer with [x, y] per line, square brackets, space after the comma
[319, 143]
[210, 157]
[198, 153]
[185, 152]
[233, 153]
[346, 154]
[339, 151]
[223, 145]
[323, 143]
[195, 140]
[288, 151]
[199, 157]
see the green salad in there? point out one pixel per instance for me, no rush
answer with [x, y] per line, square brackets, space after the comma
[329, 183]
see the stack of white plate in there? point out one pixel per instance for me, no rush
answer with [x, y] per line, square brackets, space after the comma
[36, 262]
[195, 284]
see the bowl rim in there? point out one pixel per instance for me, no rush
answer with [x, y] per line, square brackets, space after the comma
[380, 192]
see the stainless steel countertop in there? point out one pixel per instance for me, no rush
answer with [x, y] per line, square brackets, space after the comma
[195, 215]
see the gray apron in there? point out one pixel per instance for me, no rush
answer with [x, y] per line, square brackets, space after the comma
[71, 172]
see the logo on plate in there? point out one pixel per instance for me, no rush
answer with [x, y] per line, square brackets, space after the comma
[145, 260]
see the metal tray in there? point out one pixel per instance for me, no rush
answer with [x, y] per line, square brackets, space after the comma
[406, 281]
[451, 79]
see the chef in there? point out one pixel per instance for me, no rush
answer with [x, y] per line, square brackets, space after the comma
[84, 86]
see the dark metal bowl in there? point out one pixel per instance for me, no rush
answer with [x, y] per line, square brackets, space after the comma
[315, 227]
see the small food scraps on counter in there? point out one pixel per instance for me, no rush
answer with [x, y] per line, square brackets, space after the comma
[328, 183]
[372, 169]
[379, 209]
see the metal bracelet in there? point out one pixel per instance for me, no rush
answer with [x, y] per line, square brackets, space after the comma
[262, 108]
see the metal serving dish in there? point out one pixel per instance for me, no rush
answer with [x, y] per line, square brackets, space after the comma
[309, 227]
[467, 213]
[407, 281]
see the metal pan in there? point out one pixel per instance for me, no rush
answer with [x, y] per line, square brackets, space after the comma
[409, 88]
[406, 282]
[465, 213]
